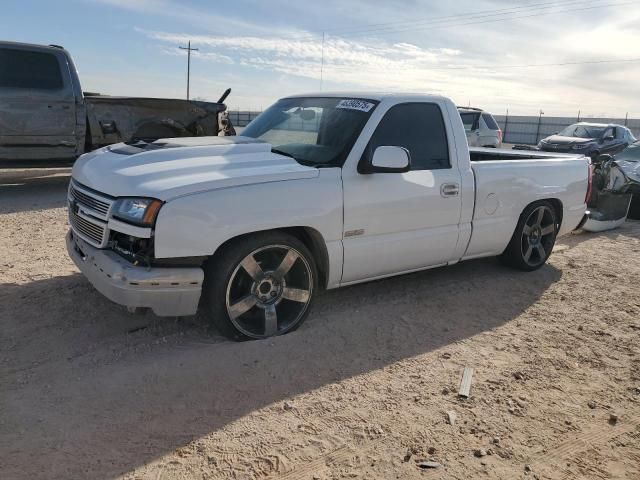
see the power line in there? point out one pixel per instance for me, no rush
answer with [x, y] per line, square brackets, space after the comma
[493, 67]
[493, 20]
[341, 32]
[442, 19]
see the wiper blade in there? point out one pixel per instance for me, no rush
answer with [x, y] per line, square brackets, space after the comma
[282, 152]
[306, 163]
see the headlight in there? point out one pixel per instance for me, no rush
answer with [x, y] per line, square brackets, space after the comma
[139, 211]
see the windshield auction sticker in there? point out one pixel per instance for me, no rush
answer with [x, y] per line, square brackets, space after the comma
[354, 104]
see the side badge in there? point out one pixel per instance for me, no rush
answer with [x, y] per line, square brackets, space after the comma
[353, 233]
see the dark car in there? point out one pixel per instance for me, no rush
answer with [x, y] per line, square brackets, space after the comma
[591, 139]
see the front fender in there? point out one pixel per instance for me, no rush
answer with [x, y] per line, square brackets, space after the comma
[197, 225]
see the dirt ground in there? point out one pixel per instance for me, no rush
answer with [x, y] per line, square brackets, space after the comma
[361, 390]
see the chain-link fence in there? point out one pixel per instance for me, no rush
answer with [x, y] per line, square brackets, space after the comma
[527, 130]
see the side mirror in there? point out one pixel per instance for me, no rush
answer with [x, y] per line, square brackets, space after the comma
[387, 159]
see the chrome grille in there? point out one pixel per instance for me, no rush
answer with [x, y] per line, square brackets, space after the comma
[91, 231]
[88, 214]
[88, 200]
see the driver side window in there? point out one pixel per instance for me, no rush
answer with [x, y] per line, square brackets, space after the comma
[418, 127]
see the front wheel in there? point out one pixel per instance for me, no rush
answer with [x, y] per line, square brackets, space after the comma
[534, 237]
[260, 286]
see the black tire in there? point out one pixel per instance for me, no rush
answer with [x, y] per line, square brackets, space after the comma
[532, 240]
[274, 292]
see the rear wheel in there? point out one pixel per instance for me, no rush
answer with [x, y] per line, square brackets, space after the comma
[534, 237]
[260, 286]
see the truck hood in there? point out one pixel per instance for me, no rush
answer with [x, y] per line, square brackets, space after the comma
[173, 167]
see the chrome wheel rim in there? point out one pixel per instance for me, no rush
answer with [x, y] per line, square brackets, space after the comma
[269, 291]
[538, 236]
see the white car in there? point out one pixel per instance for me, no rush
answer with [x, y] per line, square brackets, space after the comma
[322, 191]
[481, 128]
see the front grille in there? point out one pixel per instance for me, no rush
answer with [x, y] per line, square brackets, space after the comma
[88, 214]
[100, 205]
[90, 230]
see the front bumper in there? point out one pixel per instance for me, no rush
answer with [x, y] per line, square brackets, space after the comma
[166, 291]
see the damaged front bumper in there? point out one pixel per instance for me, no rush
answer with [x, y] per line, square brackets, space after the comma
[166, 291]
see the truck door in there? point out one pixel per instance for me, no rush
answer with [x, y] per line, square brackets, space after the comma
[37, 104]
[398, 222]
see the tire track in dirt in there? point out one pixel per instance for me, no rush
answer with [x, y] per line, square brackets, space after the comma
[594, 437]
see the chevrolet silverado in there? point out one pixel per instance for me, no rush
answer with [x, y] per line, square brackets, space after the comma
[321, 191]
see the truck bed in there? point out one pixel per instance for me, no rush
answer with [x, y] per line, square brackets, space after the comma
[507, 180]
[117, 119]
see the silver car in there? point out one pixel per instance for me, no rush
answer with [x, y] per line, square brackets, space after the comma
[481, 128]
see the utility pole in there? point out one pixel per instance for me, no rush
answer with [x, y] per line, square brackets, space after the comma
[539, 122]
[506, 124]
[189, 50]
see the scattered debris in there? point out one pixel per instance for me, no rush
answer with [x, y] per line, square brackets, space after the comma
[592, 404]
[495, 440]
[426, 465]
[452, 417]
[431, 450]
[445, 391]
[480, 452]
[407, 456]
[287, 406]
[518, 375]
[527, 468]
[446, 355]
[465, 384]
[613, 419]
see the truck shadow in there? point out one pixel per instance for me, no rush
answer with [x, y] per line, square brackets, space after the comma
[33, 189]
[83, 398]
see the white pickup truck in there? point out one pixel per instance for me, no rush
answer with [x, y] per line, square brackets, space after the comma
[321, 191]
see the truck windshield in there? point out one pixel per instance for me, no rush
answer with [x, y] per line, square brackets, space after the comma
[314, 131]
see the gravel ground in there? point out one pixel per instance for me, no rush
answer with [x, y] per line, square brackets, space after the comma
[362, 390]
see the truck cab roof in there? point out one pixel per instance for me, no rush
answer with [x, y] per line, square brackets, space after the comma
[31, 46]
[379, 96]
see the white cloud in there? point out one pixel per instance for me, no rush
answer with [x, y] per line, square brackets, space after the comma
[473, 62]
[345, 61]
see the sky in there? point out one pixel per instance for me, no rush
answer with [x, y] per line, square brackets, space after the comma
[560, 57]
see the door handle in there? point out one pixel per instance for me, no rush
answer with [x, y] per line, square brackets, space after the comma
[449, 189]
